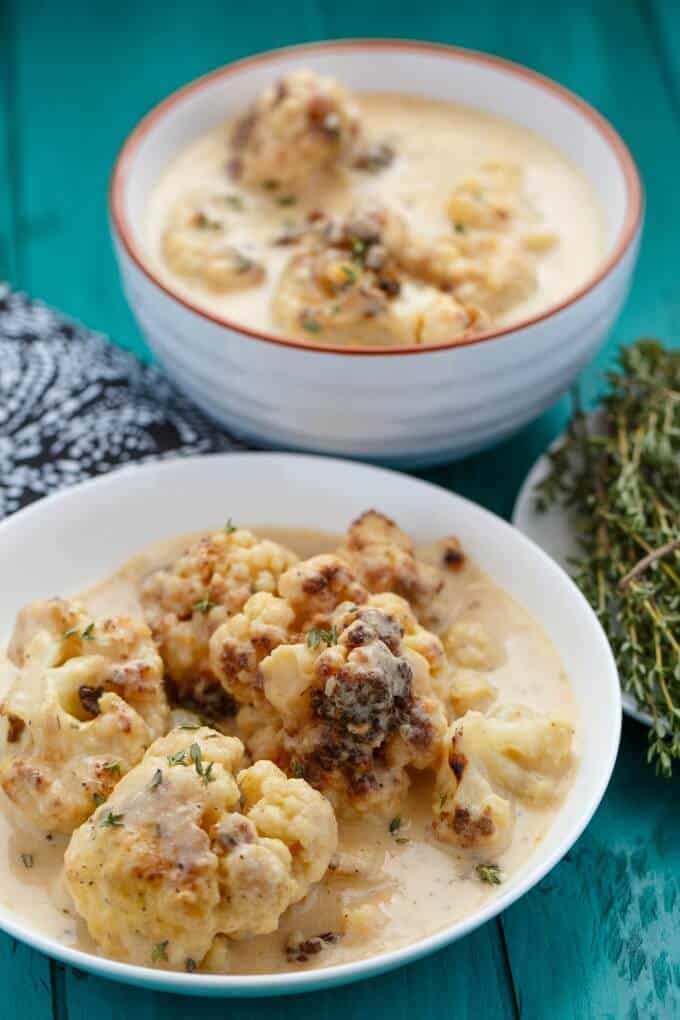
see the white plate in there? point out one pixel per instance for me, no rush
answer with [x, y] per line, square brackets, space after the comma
[68, 541]
[554, 532]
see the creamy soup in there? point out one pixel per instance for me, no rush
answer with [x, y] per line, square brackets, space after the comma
[391, 882]
[440, 222]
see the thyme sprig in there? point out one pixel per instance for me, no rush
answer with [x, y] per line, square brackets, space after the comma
[618, 472]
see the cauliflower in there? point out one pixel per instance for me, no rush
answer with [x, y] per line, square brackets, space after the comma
[489, 265]
[512, 750]
[86, 703]
[383, 557]
[356, 707]
[468, 689]
[195, 246]
[191, 847]
[238, 646]
[309, 594]
[186, 602]
[317, 586]
[343, 285]
[429, 316]
[490, 200]
[303, 125]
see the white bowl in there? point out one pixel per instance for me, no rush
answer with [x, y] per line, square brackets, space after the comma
[68, 541]
[405, 405]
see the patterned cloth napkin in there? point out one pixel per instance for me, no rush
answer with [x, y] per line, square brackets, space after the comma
[72, 405]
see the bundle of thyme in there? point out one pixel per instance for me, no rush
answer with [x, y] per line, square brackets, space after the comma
[618, 471]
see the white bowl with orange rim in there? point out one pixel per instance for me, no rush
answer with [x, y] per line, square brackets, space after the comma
[405, 405]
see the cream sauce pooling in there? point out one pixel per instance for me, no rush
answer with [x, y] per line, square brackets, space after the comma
[412, 887]
[437, 143]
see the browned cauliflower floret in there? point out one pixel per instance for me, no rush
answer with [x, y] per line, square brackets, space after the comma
[383, 557]
[490, 263]
[342, 286]
[189, 848]
[196, 245]
[186, 602]
[356, 707]
[310, 592]
[488, 759]
[238, 646]
[316, 587]
[87, 701]
[297, 128]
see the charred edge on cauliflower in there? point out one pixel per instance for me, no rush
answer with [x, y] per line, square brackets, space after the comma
[385, 559]
[300, 952]
[452, 556]
[208, 699]
[468, 827]
[367, 702]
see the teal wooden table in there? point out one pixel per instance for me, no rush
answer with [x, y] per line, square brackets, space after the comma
[600, 936]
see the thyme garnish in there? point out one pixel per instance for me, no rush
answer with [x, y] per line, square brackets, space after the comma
[178, 758]
[203, 606]
[316, 636]
[112, 821]
[618, 473]
[27, 860]
[489, 873]
[160, 951]
[205, 772]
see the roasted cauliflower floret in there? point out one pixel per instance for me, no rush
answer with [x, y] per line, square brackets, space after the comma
[87, 701]
[343, 285]
[189, 848]
[238, 646]
[301, 126]
[383, 557]
[489, 759]
[428, 316]
[310, 592]
[316, 587]
[489, 265]
[469, 644]
[196, 245]
[186, 602]
[356, 708]
[491, 199]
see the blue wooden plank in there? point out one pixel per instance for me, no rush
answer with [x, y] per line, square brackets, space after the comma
[25, 982]
[468, 981]
[8, 155]
[663, 19]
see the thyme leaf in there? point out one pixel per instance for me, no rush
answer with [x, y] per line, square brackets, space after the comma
[112, 821]
[316, 636]
[489, 873]
[160, 951]
[203, 606]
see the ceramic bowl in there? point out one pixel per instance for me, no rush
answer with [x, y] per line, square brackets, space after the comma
[54, 547]
[408, 405]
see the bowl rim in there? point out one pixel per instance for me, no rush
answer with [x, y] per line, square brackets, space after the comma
[326, 977]
[629, 230]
